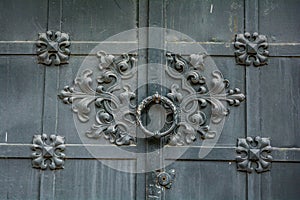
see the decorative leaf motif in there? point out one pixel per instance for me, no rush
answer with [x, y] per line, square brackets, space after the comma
[197, 61]
[111, 108]
[175, 96]
[48, 151]
[185, 134]
[105, 60]
[117, 117]
[81, 98]
[125, 65]
[191, 124]
[214, 96]
[199, 119]
[53, 47]
[195, 78]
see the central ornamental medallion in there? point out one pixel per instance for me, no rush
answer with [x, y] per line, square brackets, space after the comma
[191, 99]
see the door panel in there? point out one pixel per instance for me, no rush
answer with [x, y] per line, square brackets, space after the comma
[94, 168]
[98, 20]
[21, 80]
[271, 91]
[279, 87]
[278, 20]
[89, 179]
[22, 21]
[207, 180]
[278, 185]
[199, 19]
[18, 179]
[30, 106]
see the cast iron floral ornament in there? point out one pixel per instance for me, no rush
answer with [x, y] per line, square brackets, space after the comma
[48, 151]
[111, 98]
[53, 47]
[254, 154]
[251, 49]
[192, 100]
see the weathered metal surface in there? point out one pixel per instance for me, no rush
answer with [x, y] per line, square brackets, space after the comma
[194, 180]
[113, 96]
[29, 103]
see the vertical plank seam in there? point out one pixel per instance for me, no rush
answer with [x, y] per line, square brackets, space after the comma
[43, 106]
[142, 7]
[51, 176]
[245, 81]
[252, 25]
[246, 109]
[58, 69]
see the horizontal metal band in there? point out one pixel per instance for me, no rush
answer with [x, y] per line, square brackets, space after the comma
[79, 151]
[76, 47]
[227, 49]
[73, 151]
[228, 154]
[120, 47]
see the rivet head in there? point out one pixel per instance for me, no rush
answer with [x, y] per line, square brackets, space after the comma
[164, 178]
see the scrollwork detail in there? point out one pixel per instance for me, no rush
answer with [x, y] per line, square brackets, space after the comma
[111, 108]
[193, 120]
[117, 117]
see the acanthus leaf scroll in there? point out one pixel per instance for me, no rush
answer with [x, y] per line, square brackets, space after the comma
[112, 109]
[194, 121]
[118, 113]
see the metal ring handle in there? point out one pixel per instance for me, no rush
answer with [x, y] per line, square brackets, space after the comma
[156, 98]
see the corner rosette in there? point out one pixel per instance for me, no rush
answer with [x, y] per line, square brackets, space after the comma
[48, 151]
[254, 154]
